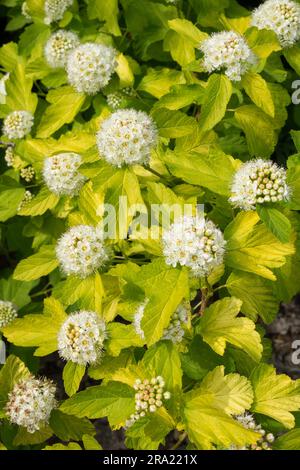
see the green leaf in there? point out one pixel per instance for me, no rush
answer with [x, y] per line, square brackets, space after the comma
[26, 438]
[105, 11]
[38, 330]
[68, 428]
[90, 443]
[220, 324]
[262, 42]
[65, 103]
[37, 265]
[173, 124]
[293, 178]
[275, 395]
[276, 222]
[188, 30]
[11, 194]
[162, 302]
[18, 88]
[159, 82]
[12, 372]
[216, 98]
[251, 247]
[288, 441]
[43, 201]
[292, 55]
[16, 291]
[121, 337]
[181, 96]
[72, 375]
[199, 359]
[259, 130]
[204, 169]
[114, 401]
[88, 292]
[256, 294]
[163, 359]
[257, 89]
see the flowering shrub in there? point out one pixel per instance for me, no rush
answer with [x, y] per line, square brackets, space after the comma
[149, 189]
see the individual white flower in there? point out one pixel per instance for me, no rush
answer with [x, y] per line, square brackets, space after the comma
[28, 196]
[8, 313]
[59, 46]
[179, 319]
[264, 443]
[90, 67]
[61, 173]
[194, 242]
[81, 338]
[25, 11]
[256, 182]
[114, 100]
[227, 51]
[30, 403]
[55, 10]
[280, 16]
[81, 250]
[149, 397]
[27, 174]
[9, 156]
[127, 137]
[17, 124]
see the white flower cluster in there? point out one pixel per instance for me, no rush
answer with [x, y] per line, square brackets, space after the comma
[81, 338]
[81, 251]
[138, 316]
[90, 67]
[28, 196]
[257, 182]
[9, 156]
[55, 9]
[127, 137]
[59, 46]
[114, 100]
[25, 11]
[17, 124]
[8, 313]
[61, 173]
[27, 173]
[280, 16]
[30, 403]
[248, 422]
[227, 51]
[149, 397]
[179, 319]
[194, 242]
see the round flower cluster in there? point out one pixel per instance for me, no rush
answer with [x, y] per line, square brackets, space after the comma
[30, 403]
[28, 196]
[59, 46]
[227, 51]
[194, 242]
[81, 251]
[127, 137]
[27, 173]
[9, 156]
[90, 67]
[17, 124]
[280, 16]
[257, 182]
[61, 173]
[8, 313]
[55, 10]
[81, 338]
[149, 397]
[248, 422]
[114, 100]
[25, 11]
[179, 319]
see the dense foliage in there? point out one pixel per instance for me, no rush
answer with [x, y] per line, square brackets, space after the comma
[115, 115]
